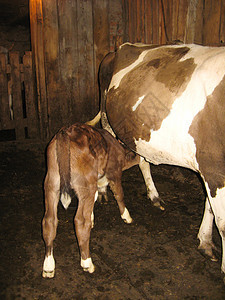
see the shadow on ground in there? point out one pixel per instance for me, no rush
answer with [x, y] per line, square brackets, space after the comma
[156, 257]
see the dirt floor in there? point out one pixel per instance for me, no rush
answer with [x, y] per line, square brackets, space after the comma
[156, 257]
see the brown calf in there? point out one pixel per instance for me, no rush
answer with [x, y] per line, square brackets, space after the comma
[84, 159]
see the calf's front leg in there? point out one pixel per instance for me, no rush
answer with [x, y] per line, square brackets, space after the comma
[117, 190]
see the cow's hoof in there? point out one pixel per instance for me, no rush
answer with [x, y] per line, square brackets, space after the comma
[126, 216]
[87, 265]
[158, 203]
[48, 274]
[206, 249]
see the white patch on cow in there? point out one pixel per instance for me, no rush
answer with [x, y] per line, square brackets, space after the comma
[140, 99]
[126, 216]
[49, 267]
[171, 143]
[87, 265]
[116, 79]
[208, 59]
[65, 199]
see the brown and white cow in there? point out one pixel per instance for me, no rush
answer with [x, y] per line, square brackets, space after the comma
[167, 103]
[81, 158]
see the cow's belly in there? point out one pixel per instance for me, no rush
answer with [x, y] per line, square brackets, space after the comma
[163, 150]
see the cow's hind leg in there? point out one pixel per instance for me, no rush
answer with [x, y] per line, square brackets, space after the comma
[83, 224]
[117, 190]
[218, 207]
[151, 189]
[49, 224]
[206, 245]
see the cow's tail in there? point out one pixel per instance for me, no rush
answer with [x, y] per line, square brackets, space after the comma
[96, 119]
[63, 157]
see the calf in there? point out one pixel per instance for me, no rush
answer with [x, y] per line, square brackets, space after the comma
[81, 158]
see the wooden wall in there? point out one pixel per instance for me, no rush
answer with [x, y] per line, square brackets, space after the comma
[162, 21]
[70, 38]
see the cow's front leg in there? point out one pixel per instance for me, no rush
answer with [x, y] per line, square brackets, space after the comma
[152, 193]
[49, 226]
[117, 190]
[83, 224]
[206, 245]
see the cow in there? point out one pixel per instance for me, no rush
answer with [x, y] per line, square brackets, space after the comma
[81, 159]
[167, 104]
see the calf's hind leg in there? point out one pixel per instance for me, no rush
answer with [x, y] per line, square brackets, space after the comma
[50, 220]
[49, 225]
[83, 224]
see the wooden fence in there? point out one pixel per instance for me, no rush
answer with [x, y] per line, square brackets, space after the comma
[18, 111]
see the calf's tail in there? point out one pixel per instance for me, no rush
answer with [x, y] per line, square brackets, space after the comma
[63, 157]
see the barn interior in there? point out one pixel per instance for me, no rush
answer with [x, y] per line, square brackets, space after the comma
[50, 52]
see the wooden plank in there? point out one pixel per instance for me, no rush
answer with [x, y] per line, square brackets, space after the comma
[86, 73]
[37, 43]
[166, 36]
[101, 41]
[199, 23]
[175, 13]
[161, 24]
[17, 95]
[148, 22]
[143, 21]
[132, 21]
[140, 21]
[51, 55]
[211, 29]
[125, 16]
[101, 29]
[222, 23]
[32, 119]
[4, 97]
[68, 59]
[115, 24]
[155, 22]
[184, 6]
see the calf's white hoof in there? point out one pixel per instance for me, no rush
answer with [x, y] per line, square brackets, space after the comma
[49, 267]
[48, 274]
[126, 216]
[87, 265]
